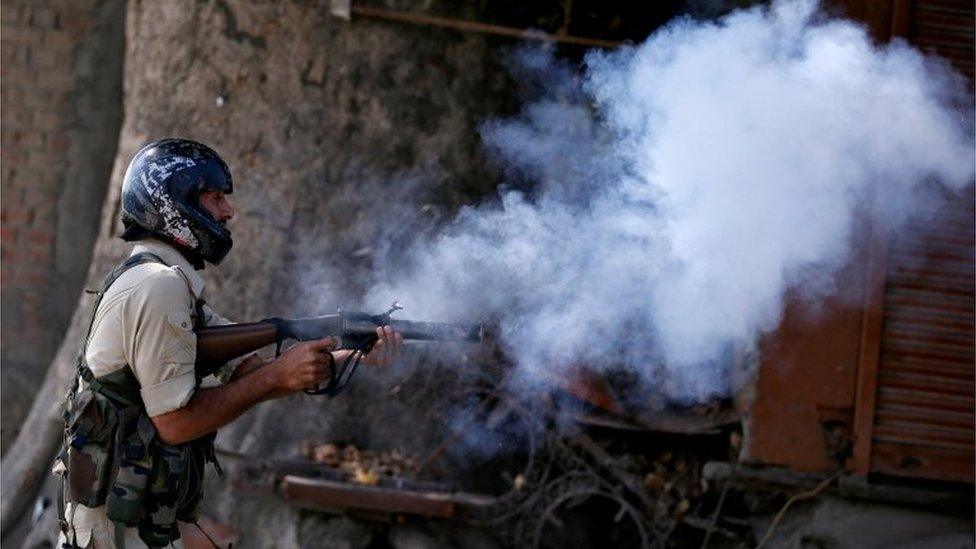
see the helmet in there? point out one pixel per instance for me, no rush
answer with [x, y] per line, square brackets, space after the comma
[160, 196]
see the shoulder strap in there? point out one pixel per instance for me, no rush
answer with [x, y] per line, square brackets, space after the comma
[130, 262]
[83, 370]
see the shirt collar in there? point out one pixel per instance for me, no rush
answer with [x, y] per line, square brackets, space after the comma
[173, 258]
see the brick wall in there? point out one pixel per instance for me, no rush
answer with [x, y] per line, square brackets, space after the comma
[60, 97]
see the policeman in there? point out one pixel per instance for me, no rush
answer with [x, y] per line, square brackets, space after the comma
[140, 421]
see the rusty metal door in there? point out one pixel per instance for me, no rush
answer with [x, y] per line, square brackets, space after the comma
[915, 404]
[944, 27]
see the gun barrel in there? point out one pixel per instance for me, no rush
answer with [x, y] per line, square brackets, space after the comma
[363, 327]
[437, 331]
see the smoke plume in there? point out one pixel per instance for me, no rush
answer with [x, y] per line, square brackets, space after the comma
[660, 199]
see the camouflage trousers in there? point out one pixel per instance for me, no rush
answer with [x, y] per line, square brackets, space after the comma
[90, 527]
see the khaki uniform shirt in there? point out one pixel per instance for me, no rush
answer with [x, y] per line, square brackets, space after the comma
[145, 321]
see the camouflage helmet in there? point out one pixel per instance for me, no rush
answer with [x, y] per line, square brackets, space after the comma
[160, 195]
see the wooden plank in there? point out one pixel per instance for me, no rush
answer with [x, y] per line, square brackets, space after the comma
[321, 494]
[869, 355]
[901, 18]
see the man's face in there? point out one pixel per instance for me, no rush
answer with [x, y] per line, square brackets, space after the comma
[217, 204]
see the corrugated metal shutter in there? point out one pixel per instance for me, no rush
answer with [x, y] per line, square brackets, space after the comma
[924, 419]
[946, 28]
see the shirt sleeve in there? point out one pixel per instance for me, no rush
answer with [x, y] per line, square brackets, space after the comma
[225, 372]
[159, 341]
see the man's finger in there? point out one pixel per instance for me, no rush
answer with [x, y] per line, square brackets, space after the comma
[396, 339]
[375, 355]
[325, 344]
[383, 349]
[390, 344]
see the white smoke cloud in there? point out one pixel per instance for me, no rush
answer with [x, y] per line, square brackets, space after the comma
[684, 187]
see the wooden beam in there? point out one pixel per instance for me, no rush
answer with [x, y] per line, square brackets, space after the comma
[323, 494]
[901, 19]
[869, 356]
[463, 25]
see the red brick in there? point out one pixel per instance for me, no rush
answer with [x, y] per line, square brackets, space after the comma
[37, 237]
[17, 35]
[42, 208]
[8, 235]
[32, 323]
[74, 23]
[45, 59]
[28, 256]
[16, 216]
[14, 72]
[15, 118]
[57, 143]
[43, 17]
[56, 80]
[31, 139]
[10, 14]
[9, 51]
[37, 196]
[32, 279]
[13, 96]
[59, 40]
[45, 120]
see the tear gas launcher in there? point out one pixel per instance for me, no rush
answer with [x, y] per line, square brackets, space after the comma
[355, 331]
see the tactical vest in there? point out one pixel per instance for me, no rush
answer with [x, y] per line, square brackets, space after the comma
[112, 455]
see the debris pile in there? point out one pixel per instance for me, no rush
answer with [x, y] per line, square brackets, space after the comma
[646, 494]
[362, 466]
[638, 487]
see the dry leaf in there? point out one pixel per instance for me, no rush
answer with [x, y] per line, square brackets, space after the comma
[352, 459]
[735, 440]
[365, 476]
[654, 482]
[519, 482]
[682, 508]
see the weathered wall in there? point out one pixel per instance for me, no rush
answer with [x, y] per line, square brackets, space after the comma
[61, 96]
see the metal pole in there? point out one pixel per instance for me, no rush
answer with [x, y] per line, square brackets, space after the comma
[474, 26]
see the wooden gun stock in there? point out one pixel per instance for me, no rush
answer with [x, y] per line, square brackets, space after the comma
[218, 344]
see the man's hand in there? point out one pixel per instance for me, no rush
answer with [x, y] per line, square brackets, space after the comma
[247, 366]
[385, 349]
[304, 365]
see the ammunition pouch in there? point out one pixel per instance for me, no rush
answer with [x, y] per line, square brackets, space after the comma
[114, 458]
[92, 427]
